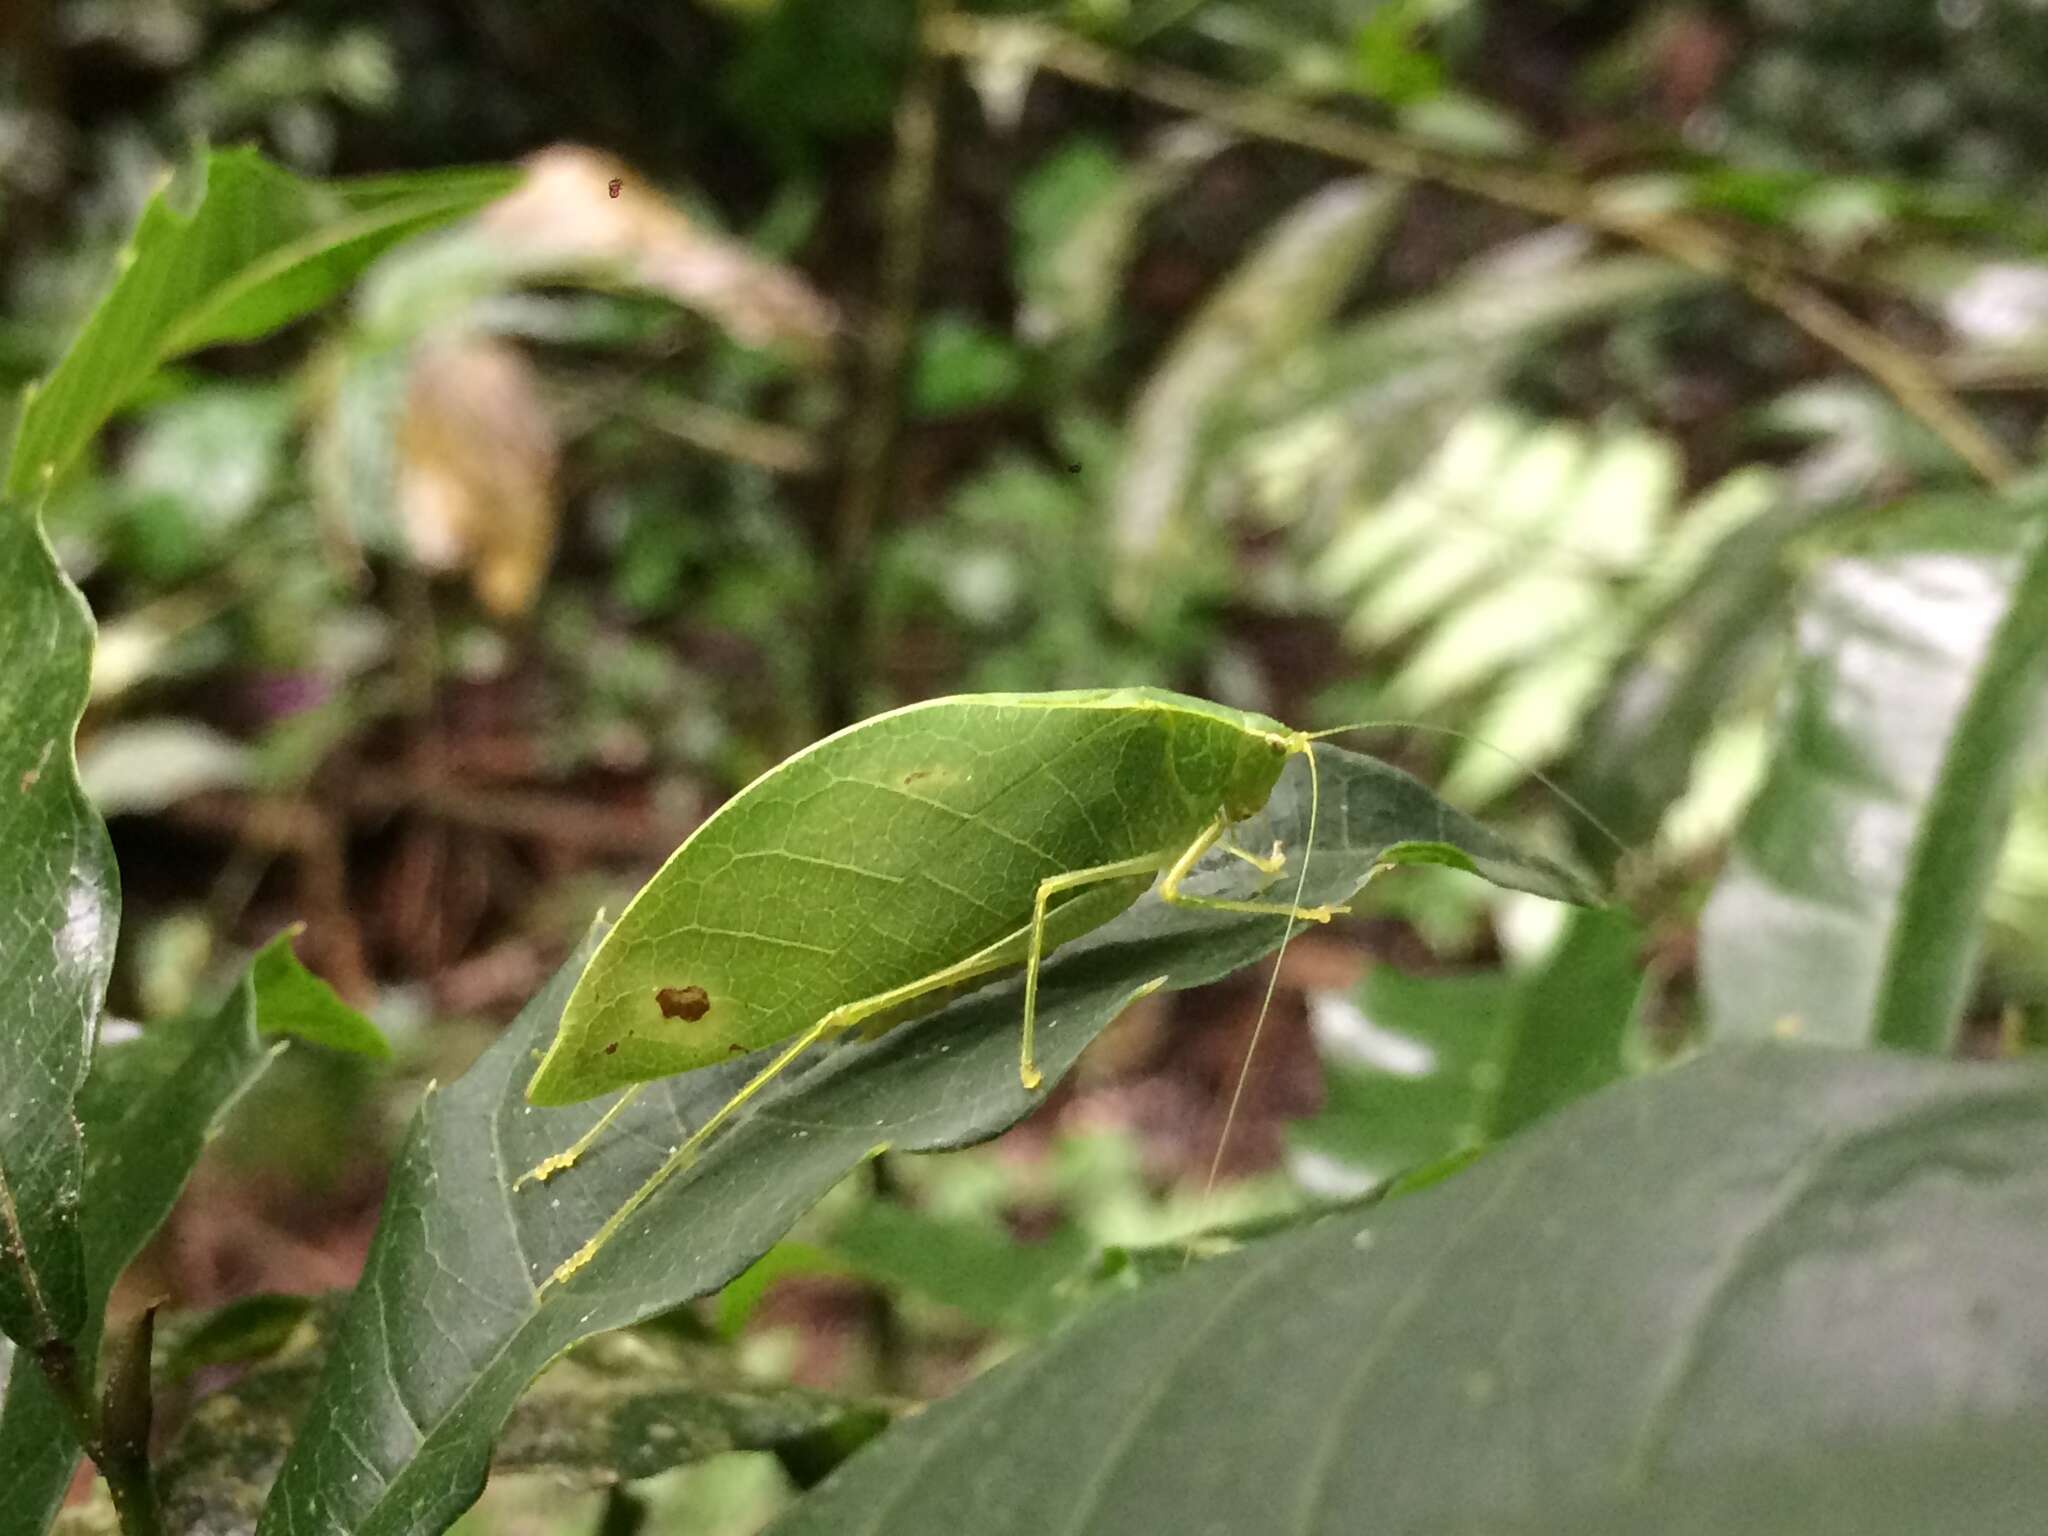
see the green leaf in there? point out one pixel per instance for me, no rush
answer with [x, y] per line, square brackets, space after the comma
[58, 890]
[963, 366]
[1470, 322]
[1699, 643]
[1078, 217]
[1281, 293]
[148, 1110]
[1648, 1288]
[291, 1000]
[1392, 64]
[1420, 1068]
[36, 1449]
[1989, 1484]
[1851, 909]
[448, 1325]
[975, 1268]
[246, 1330]
[231, 249]
[1569, 1028]
[1408, 1066]
[628, 1405]
[143, 1137]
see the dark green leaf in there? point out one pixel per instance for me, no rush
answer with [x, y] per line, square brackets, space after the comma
[1764, 1254]
[148, 1109]
[1988, 1483]
[232, 249]
[628, 1405]
[1570, 1022]
[1408, 1068]
[58, 891]
[36, 1449]
[1420, 1068]
[976, 1268]
[291, 1000]
[1851, 909]
[1078, 218]
[448, 1325]
[142, 1143]
[962, 366]
[249, 1329]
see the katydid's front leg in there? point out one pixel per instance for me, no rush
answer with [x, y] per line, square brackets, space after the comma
[1170, 887]
[841, 1019]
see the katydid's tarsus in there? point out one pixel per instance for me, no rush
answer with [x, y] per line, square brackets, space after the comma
[878, 874]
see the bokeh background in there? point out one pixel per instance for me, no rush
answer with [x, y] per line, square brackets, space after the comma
[804, 369]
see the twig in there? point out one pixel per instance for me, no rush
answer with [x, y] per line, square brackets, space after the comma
[764, 444]
[1702, 247]
[874, 427]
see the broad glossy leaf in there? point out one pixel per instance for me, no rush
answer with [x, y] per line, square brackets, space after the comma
[1419, 1068]
[231, 249]
[36, 1449]
[149, 1107]
[1992, 1482]
[1764, 1254]
[1851, 909]
[1282, 292]
[449, 1325]
[58, 891]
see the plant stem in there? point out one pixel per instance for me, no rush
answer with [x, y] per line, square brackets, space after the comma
[875, 427]
[1704, 248]
[125, 1468]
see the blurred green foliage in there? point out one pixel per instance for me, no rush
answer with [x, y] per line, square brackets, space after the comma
[1183, 407]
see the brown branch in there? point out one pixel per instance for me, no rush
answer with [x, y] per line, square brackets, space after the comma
[764, 444]
[1702, 247]
[874, 428]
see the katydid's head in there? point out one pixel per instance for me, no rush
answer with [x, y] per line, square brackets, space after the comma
[1260, 757]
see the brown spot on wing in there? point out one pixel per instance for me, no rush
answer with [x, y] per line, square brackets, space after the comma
[686, 1003]
[612, 1049]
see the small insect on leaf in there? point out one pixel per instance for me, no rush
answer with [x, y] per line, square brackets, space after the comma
[686, 1003]
[900, 862]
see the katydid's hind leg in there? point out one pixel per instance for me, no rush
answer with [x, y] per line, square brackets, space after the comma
[686, 1154]
[838, 1021]
[1170, 887]
[548, 1167]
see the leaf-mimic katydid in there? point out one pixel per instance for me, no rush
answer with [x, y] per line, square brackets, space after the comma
[879, 873]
